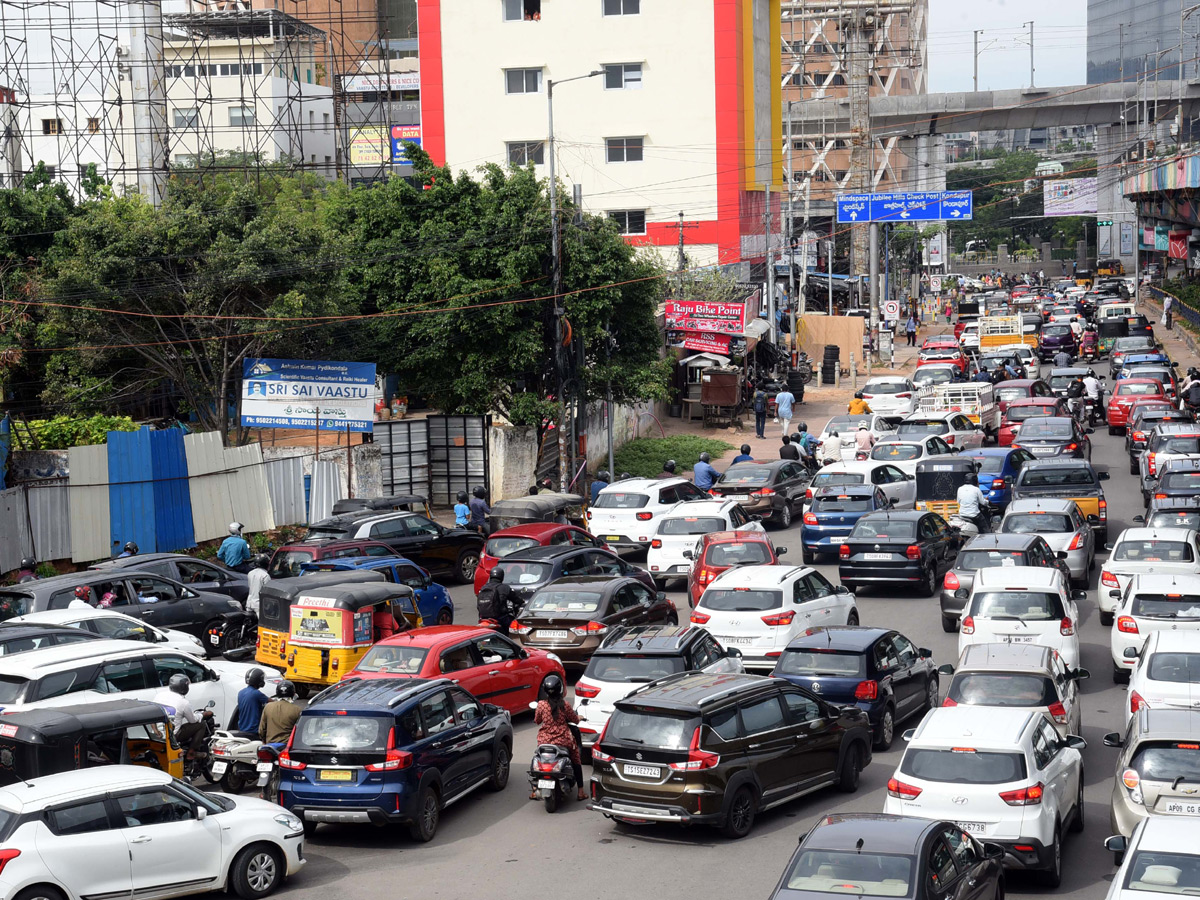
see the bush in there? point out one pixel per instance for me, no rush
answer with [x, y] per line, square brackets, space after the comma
[64, 432]
[644, 457]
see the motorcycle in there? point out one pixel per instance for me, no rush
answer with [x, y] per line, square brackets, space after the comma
[234, 635]
[803, 367]
[201, 766]
[1093, 410]
[268, 770]
[234, 759]
[967, 528]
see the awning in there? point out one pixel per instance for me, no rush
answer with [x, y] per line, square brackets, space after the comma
[712, 358]
[757, 329]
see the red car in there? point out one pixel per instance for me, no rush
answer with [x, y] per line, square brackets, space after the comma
[721, 550]
[953, 356]
[488, 664]
[1020, 389]
[523, 537]
[940, 340]
[1027, 408]
[287, 560]
[1128, 390]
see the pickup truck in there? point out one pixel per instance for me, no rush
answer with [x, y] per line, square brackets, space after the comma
[1066, 479]
[975, 400]
[998, 331]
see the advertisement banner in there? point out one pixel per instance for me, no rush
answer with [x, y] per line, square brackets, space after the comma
[936, 250]
[373, 82]
[1162, 240]
[1069, 197]
[369, 145]
[401, 135]
[316, 626]
[697, 315]
[707, 343]
[1177, 244]
[1127, 239]
[292, 393]
[1148, 238]
[1104, 241]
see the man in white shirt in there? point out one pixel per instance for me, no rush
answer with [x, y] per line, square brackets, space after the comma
[971, 503]
[257, 578]
[830, 449]
[863, 439]
[189, 726]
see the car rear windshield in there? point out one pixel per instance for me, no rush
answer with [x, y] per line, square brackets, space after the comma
[1174, 443]
[327, 533]
[645, 726]
[1168, 760]
[357, 734]
[1132, 344]
[847, 872]
[1124, 389]
[822, 662]
[620, 500]
[743, 474]
[1161, 873]
[1002, 689]
[972, 560]
[14, 604]
[843, 424]
[393, 658]
[1153, 550]
[884, 529]
[1046, 428]
[738, 553]
[887, 387]
[963, 765]
[518, 573]
[1021, 413]
[500, 547]
[897, 452]
[1012, 393]
[741, 599]
[830, 479]
[571, 604]
[1181, 481]
[1061, 382]
[933, 375]
[914, 428]
[1166, 606]
[691, 525]
[11, 689]
[1027, 606]
[1174, 518]
[1057, 476]
[1056, 330]
[988, 465]
[634, 669]
[1036, 523]
[1177, 668]
[841, 503]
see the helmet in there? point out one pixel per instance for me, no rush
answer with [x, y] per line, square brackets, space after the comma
[862, 426]
[256, 678]
[262, 560]
[553, 687]
[704, 457]
[84, 593]
[130, 547]
[479, 492]
[179, 684]
[547, 483]
[461, 496]
[604, 475]
[28, 562]
[285, 689]
[803, 427]
[236, 527]
[858, 395]
[497, 574]
[669, 465]
[746, 449]
[625, 476]
[833, 433]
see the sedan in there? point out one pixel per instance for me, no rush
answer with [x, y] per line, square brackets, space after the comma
[909, 547]
[1020, 410]
[832, 515]
[1158, 372]
[905, 455]
[530, 570]
[1161, 858]
[847, 427]
[1063, 526]
[116, 626]
[198, 574]
[773, 490]
[1124, 393]
[1055, 436]
[1021, 389]
[901, 489]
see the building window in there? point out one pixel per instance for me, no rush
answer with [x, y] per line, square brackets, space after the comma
[325, 121]
[312, 121]
[629, 221]
[186, 160]
[186, 116]
[624, 149]
[93, 125]
[836, 80]
[522, 153]
[328, 164]
[522, 10]
[623, 76]
[622, 7]
[523, 81]
[52, 126]
[241, 116]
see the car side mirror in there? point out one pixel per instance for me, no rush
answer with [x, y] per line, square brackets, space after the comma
[201, 813]
[490, 709]
[779, 551]
[908, 735]
[1095, 520]
[841, 589]
[660, 596]
[733, 653]
[1079, 596]
[1080, 674]
[1089, 431]
[1075, 742]
[1061, 554]
[1102, 476]
[1137, 520]
[946, 670]
[1131, 653]
[687, 554]
[992, 851]
[800, 839]
[1116, 595]
[1108, 546]
[1118, 843]
[924, 653]
[1113, 739]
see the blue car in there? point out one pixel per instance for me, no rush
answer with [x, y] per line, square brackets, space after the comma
[997, 471]
[1133, 360]
[433, 600]
[832, 514]
[392, 750]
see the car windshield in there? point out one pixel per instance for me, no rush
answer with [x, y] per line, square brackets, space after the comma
[887, 387]
[741, 599]
[822, 662]
[342, 733]
[1057, 476]
[651, 728]
[686, 525]
[1177, 668]
[897, 452]
[287, 563]
[844, 872]
[963, 765]
[326, 533]
[1002, 689]
[1036, 523]
[1056, 330]
[550, 602]
[1012, 393]
[883, 528]
[1174, 518]
[633, 669]
[1168, 760]
[1144, 389]
[840, 503]
[1161, 873]
[1181, 481]
[941, 353]
[1165, 606]
[502, 545]
[620, 500]
[829, 479]
[846, 424]
[973, 560]
[745, 474]
[1025, 606]
[393, 659]
[933, 375]
[1153, 550]
[519, 573]
[1032, 411]
[738, 553]
[915, 428]
[1047, 429]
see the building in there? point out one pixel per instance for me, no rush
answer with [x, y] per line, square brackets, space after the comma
[680, 118]
[1125, 38]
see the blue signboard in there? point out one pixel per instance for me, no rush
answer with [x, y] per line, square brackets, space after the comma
[308, 394]
[402, 134]
[915, 206]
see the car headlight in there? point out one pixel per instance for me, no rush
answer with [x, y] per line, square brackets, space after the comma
[289, 821]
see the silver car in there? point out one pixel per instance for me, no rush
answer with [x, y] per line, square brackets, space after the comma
[1063, 525]
[1158, 769]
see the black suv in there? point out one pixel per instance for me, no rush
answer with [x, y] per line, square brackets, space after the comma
[527, 570]
[700, 748]
[443, 551]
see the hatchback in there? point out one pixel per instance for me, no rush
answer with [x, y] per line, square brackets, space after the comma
[986, 551]
[1179, 477]
[1063, 478]
[832, 515]
[680, 529]
[891, 395]
[624, 514]
[945, 356]
[905, 454]
[1157, 769]
[955, 428]
[1022, 605]
[1142, 551]
[998, 469]
[527, 571]
[899, 488]
[1124, 393]
[1168, 441]
[1124, 346]
[1020, 410]
[1020, 389]
[23, 634]
[1172, 512]
[1165, 674]
[525, 537]
[847, 427]
[198, 574]
[772, 490]
[1144, 417]
[1152, 603]
[910, 547]
[726, 550]
[287, 560]
[1055, 436]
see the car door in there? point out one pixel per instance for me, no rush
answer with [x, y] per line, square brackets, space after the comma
[202, 576]
[821, 599]
[904, 487]
[393, 533]
[476, 742]
[772, 747]
[817, 738]
[170, 847]
[1053, 762]
[908, 683]
[83, 851]
[972, 883]
[127, 678]
[623, 608]
[940, 871]
[649, 610]
[162, 603]
[499, 676]
[442, 743]
[434, 551]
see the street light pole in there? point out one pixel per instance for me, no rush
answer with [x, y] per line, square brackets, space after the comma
[975, 82]
[1031, 81]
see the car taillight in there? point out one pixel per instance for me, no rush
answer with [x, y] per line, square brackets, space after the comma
[1026, 796]
[763, 492]
[1108, 579]
[7, 855]
[949, 439]
[949, 702]
[867, 690]
[699, 618]
[997, 484]
[1160, 496]
[519, 628]
[902, 791]
[1131, 779]
[266, 754]
[905, 396]
[656, 544]
[1136, 701]
[810, 519]
[1066, 627]
[704, 577]
[808, 493]
[393, 760]
[1127, 624]
[697, 758]
[1058, 713]
[913, 551]
[286, 762]
[784, 618]
[1071, 446]
[844, 551]
[599, 755]
[1076, 542]
[1141, 436]
[967, 626]
[589, 628]
[645, 517]
[586, 690]
[1104, 510]
[950, 582]
[333, 663]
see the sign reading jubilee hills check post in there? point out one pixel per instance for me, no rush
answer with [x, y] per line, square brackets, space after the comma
[308, 394]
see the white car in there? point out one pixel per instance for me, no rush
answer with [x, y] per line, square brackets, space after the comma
[1153, 603]
[118, 627]
[1022, 605]
[681, 528]
[890, 395]
[905, 455]
[759, 609]
[626, 513]
[969, 336]
[1166, 674]
[891, 479]
[1003, 775]
[847, 427]
[955, 428]
[121, 831]
[1140, 551]
[929, 376]
[1027, 356]
[1161, 859]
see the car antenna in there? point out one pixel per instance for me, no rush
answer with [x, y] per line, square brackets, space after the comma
[858, 845]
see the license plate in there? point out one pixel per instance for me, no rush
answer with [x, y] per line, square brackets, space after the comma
[683, 569]
[642, 771]
[737, 498]
[553, 635]
[214, 639]
[736, 640]
[336, 775]
[1041, 451]
[1178, 808]
[218, 768]
[612, 538]
[877, 556]
[1016, 638]
[972, 827]
[545, 782]
[264, 767]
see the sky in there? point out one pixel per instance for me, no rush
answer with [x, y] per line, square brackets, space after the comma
[1059, 43]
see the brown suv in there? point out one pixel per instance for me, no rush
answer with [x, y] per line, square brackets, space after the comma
[699, 748]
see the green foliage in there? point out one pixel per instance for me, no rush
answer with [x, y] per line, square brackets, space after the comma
[644, 457]
[63, 432]
[45, 570]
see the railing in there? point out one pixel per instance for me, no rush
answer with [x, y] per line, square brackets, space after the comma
[1179, 309]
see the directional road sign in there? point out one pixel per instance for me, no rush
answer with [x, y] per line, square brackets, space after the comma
[917, 206]
[891, 309]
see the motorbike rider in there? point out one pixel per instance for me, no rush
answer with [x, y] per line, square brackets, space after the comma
[858, 406]
[83, 598]
[602, 480]
[462, 512]
[554, 716]
[256, 578]
[744, 455]
[279, 716]
[971, 502]
[497, 600]
[189, 725]
[27, 571]
[479, 510]
[1091, 389]
[234, 550]
[704, 476]
[250, 701]
[1075, 394]
[831, 449]
[130, 549]
[668, 470]
[863, 440]
[1062, 359]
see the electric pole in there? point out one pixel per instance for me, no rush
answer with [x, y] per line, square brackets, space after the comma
[1031, 80]
[976, 54]
[768, 228]
[682, 257]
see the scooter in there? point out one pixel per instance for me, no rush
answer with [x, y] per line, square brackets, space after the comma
[966, 527]
[234, 759]
[268, 770]
[201, 766]
[551, 773]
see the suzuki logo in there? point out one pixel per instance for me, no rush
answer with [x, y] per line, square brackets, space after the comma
[958, 801]
[333, 760]
[637, 756]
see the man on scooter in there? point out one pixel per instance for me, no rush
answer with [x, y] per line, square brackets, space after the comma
[1191, 392]
[251, 701]
[1091, 390]
[279, 716]
[971, 503]
[189, 726]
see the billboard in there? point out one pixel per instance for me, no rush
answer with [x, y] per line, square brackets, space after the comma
[697, 315]
[369, 145]
[308, 394]
[1127, 239]
[1069, 197]
[373, 82]
[402, 134]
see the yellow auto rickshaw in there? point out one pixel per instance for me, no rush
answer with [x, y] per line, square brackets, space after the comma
[332, 627]
[275, 601]
[1110, 267]
[1084, 278]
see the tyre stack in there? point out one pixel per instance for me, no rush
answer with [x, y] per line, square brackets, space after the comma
[830, 363]
[795, 384]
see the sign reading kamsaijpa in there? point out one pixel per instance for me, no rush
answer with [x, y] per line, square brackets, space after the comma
[308, 394]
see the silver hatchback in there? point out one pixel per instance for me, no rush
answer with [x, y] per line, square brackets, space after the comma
[982, 552]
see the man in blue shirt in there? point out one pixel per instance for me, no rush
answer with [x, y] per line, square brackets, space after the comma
[744, 456]
[601, 481]
[703, 474]
[785, 402]
[250, 701]
[234, 550]
[479, 510]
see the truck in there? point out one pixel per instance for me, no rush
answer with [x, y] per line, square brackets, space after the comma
[975, 400]
[1000, 331]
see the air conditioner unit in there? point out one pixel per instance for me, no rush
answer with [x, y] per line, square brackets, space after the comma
[122, 50]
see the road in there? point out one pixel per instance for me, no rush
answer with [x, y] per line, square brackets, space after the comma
[504, 847]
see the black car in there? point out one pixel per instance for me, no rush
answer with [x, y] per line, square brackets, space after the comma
[442, 551]
[1143, 422]
[1060, 379]
[881, 855]
[198, 574]
[880, 671]
[773, 489]
[901, 547]
[17, 637]
[527, 570]
[1180, 477]
[1046, 436]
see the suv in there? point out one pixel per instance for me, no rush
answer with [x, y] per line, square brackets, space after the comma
[443, 551]
[1150, 603]
[1022, 605]
[1004, 775]
[1168, 441]
[632, 656]
[1157, 769]
[1178, 477]
[985, 551]
[528, 570]
[1142, 551]
[287, 560]
[1172, 512]
[392, 750]
[699, 748]
[624, 513]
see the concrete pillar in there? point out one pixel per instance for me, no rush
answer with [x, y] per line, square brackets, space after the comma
[1081, 254]
[1110, 201]
[1002, 254]
[1047, 253]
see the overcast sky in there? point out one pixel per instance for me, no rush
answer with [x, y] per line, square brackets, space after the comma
[1059, 43]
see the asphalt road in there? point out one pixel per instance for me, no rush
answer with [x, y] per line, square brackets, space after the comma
[502, 846]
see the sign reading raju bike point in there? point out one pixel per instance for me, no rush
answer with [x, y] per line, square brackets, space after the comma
[308, 394]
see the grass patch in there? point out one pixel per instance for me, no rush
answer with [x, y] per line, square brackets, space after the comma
[644, 457]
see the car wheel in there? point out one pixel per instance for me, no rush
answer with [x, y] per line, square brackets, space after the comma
[887, 729]
[739, 818]
[785, 515]
[256, 871]
[1052, 877]
[464, 569]
[445, 616]
[929, 588]
[949, 624]
[231, 782]
[1077, 820]
[1112, 430]
[1133, 467]
[851, 768]
[429, 812]
[673, 619]
[931, 695]
[1120, 676]
[40, 892]
[852, 619]
[500, 768]
[1106, 618]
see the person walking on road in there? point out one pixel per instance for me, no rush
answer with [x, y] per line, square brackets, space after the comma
[760, 412]
[910, 329]
[949, 312]
[785, 404]
[1167, 317]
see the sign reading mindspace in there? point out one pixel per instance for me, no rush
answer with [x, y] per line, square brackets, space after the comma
[294, 393]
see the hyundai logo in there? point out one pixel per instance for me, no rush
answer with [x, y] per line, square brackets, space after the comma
[958, 801]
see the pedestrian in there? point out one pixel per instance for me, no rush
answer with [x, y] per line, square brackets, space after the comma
[479, 510]
[789, 450]
[1167, 316]
[785, 402]
[910, 329]
[760, 412]
[1074, 268]
[1064, 265]
[949, 312]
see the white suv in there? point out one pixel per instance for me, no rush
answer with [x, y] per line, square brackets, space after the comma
[1003, 775]
[1022, 605]
[626, 513]
[1167, 673]
[891, 395]
[1153, 603]
[116, 626]
[682, 527]
[759, 609]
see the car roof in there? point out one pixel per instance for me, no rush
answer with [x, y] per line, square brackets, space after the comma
[1016, 382]
[71, 614]
[384, 693]
[839, 637]
[1173, 641]
[1169, 834]
[1033, 504]
[1142, 533]
[900, 515]
[981, 452]
[654, 639]
[13, 630]
[35, 662]
[758, 576]
[61, 582]
[692, 691]
[1023, 657]
[878, 832]
[1057, 463]
[437, 635]
[1174, 501]
[1032, 401]
[985, 727]
[634, 485]
[856, 466]
[543, 553]
[736, 537]
[360, 562]
[885, 379]
[128, 561]
[1176, 722]
[585, 582]
[1000, 541]
[47, 789]
[692, 508]
[1187, 428]
[997, 577]
[1069, 370]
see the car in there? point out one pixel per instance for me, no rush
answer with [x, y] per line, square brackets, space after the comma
[624, 512]
[1152, 369]
[1061, 378]
[1022, 605]
[969, 336]
[1064, 528]
[773, 489]
[832, 515]
[1020, 389]
[953, 356]
[1172, 512]
[1124, 346]
[1166, 673]
[452, 552]
[932, 374]
[680, 530]
[1026, 676]
[1055, 436]
[1157, 769]
[1144, 417]
[955, 428]
[287, 559]
[998, 469]
[1003, 774]
[629, 657]
[890, 395]
[115, 626]
[910, 547]
[1159, 859]
[21, 635]
[1020, 410]
[899, 488]
[725, 550]
[198, 574]
[847, 427]
[1141, 551]
[994, 362]
[1063, 478]
[905, 455]
[878, 670]
[527, 571]
[570, 617]
[759, 609]
[1026, 354]
[111, 831]
[1178, 477]
[500, 544]
[392, 750]
[1168, 441]
[986, 551]
[1057, 337]
[939, 340]
[1124, 393]
[891, 856]
[1150, 603]
[491, 666]
[679, 750]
